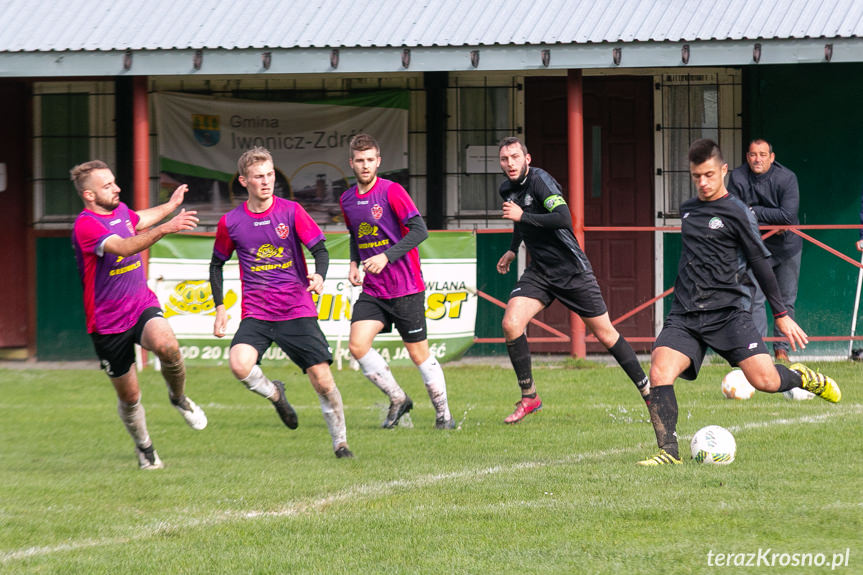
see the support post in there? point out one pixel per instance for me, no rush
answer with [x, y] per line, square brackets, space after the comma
[575, 147]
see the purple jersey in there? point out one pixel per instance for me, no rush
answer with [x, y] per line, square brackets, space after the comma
[115, 288]
[272, 265]
[376, 221]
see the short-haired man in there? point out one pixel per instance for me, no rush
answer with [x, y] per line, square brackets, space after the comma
[558, 269]
[386, 228]
[121, 311]
[719, 237]
[268, 233]
[771, 192]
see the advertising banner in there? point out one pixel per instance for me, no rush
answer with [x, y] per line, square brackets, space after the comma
[202, 137]
[179, 275]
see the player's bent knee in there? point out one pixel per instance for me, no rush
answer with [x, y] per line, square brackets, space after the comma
[512, 328]
[358, 349]
[169, 352]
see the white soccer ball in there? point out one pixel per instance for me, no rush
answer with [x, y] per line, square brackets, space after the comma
[798, 393]
[714, 445]
[736, 386]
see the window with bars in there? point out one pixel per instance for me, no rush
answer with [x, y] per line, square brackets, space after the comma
[483, 111]
[695, 106]
[72, 123]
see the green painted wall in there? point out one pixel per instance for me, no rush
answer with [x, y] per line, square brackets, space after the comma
[61, 330]
[813, 116]
[489, 248]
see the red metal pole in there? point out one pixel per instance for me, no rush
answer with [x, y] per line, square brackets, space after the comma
[141, 158]
[140, 144]
[575, 135]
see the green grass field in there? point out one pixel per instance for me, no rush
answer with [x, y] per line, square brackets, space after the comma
[557, 493]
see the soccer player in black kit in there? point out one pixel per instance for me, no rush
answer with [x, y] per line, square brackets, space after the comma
[720, 237]
[558, 269]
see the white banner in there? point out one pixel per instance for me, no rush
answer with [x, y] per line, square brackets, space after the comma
[179, 270]
[201, 138]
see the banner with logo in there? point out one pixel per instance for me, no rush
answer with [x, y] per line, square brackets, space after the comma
[201, 139]
[179, 275]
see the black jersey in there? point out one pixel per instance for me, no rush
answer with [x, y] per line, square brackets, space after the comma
[554, 251]
[718, 238]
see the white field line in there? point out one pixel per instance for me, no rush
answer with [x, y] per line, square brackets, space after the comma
[378, 489]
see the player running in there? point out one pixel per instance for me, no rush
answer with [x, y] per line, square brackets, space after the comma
[720, 237]
[268, 233]
[121, 311]
[558, 269]
[386, 228]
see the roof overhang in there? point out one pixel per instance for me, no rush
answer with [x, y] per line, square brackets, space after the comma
[388, 60]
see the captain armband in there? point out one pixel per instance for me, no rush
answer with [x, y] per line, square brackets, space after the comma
[552, 202]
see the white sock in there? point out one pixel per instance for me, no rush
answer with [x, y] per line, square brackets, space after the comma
[334, 415]
[135, 420]
[256, 381]
[377, 371]
[433, 377]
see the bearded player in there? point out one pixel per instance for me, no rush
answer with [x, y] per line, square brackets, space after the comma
[121, 311]
[386, 228]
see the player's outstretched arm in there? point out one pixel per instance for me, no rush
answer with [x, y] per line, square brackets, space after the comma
[795, 334]
[154, 215]
[125, 247]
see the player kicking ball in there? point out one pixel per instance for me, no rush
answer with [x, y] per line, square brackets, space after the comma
[720, 239]
[121, 310]
[385, 229]
[268, 233]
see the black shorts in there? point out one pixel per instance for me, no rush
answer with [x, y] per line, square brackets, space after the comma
[301, 339]
[408, 313]
[580, 294]
[116, 351]
[729, 332]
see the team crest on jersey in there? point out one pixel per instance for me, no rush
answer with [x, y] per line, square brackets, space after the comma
[130, 227]
[715, 223]
[377, 211]
[283, 231]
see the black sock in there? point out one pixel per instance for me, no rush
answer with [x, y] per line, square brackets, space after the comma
[788, 379]
[663, 416]
[627, 359]
[519, 355]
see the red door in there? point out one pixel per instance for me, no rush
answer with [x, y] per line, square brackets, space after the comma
[14, 280]
[618, 190]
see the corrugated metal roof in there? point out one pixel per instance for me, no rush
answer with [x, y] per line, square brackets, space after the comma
[105, 25]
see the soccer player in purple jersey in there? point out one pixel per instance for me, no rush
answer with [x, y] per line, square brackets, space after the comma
[386, 229]
[120, 309]
[268, 233]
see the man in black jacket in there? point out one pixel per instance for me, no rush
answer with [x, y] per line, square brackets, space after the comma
[771, 192]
